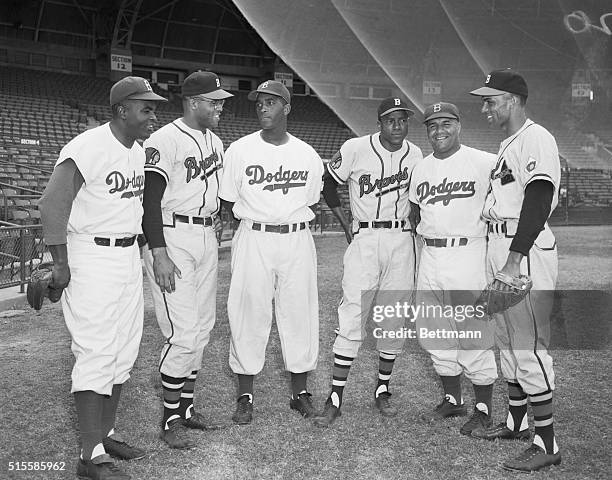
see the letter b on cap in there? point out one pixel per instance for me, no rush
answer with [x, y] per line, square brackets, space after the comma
[488, 78]
[397, 102]
[437, 107]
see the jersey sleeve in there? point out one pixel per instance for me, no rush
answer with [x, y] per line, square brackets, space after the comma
[341, 164]
[412, 188]
[316, 181]
[231, 179]
[160, 152]
[88, 156]
[539, 158]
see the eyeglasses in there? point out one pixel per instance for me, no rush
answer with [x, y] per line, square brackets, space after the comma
[213, 103]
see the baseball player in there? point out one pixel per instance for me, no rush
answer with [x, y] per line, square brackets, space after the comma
[524, 187]
[270, 180]
[381, 251]
[182, 171]
[447, 192]
[91, 213]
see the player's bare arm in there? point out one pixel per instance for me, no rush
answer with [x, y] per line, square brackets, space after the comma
[55, 207]
[330, 194]
[152, 225]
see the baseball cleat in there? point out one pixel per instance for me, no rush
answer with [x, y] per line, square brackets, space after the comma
[532, 459]
[101, 467]
[198, 422]
[172, 435]
[244, 410]
[383, 403]
[122, 450]
[328, 416]
[447, 409]
[303, 404]
[478, 420]
[501, 432]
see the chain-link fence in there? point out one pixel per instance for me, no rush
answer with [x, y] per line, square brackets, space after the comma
[21, 250]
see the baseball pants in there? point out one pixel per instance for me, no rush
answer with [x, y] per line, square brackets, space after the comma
[269, 266]
[103, 308]
[187, 315]
[376, 260]
[453, 277]
[523, 331]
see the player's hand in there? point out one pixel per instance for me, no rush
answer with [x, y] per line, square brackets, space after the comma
[60, 275]
[164, 270]
[348, 233]
[511, 268]
[218, 226]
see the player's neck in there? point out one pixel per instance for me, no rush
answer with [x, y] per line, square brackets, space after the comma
[193, 124]
[448, 153]
[275, 136]
[120, 135]
[514, 123]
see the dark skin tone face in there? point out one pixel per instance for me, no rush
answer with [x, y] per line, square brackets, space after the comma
[203, 113]
[393, 130]
[272, 113]
[135, 120]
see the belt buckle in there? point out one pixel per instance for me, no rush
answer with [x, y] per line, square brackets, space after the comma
[283, 228]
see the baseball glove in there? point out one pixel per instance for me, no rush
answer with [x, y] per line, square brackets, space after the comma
[40, 286]
[495, 301]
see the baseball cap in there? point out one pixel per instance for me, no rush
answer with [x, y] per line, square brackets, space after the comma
[392, 104]
[133, 88]
[204, 83]
[441, 110]
[273, 88]
[503, 81]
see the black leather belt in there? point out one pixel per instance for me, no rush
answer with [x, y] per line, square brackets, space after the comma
[445, 242]
[118, 242]
[286, 228]
[383, 224]
[206, 221]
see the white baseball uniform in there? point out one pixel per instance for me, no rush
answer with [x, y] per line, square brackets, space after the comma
[450, 193]
[103, 303]
[382, 253]
[273, 253]
[191, 163]
[523, 331]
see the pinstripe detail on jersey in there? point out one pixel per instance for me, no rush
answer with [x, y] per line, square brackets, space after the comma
[201, 159]
[382, 173]
[400, 169]
[535, 329]
[161, 362]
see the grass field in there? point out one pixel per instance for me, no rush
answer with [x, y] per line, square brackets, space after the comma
[39, 421]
